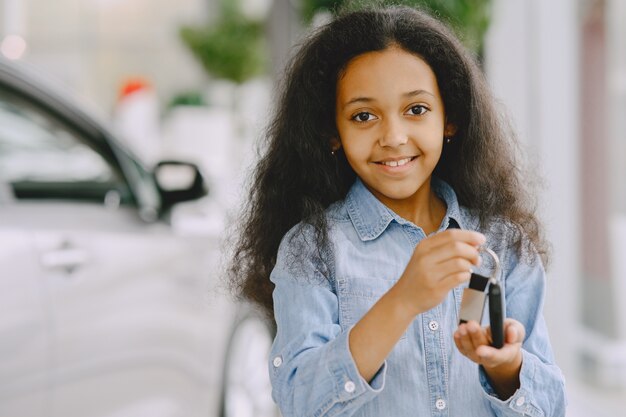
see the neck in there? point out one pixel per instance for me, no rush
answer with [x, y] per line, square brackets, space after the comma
[424, 208]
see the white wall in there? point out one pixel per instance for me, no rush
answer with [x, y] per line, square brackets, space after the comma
[93, 46]
[531, 62]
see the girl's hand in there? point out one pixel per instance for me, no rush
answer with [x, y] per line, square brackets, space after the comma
[439, 263]
[475, 343]
[501, 365]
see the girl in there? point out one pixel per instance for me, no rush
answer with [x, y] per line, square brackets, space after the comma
[387, 167]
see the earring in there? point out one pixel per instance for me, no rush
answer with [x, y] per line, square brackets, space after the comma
[332, 153]
[448, 139]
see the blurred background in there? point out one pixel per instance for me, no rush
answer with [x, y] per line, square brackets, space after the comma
[154, 102]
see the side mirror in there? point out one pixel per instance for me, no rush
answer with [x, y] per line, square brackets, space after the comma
[179, 181]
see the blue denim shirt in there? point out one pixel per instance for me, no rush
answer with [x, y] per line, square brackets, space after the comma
[321, 294]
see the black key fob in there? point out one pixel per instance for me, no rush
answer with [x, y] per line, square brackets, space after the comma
[496, 314]
[473, 303]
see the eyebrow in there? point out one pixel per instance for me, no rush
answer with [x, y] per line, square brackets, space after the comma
[369, 99]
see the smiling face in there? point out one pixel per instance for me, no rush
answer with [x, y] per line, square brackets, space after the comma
[391, 123]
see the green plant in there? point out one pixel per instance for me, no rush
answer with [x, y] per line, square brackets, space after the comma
[187, 98]
[469, 18]
[233, 48]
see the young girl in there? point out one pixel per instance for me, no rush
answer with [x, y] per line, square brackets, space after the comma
[387, 168]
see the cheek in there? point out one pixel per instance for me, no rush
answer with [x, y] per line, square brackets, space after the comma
[432, 142]
[355, 145]
[355, 155]
[435, 148]
[436, 153]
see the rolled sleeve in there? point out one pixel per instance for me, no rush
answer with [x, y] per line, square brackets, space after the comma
[312, 370]
[349, 383]
[537, 395]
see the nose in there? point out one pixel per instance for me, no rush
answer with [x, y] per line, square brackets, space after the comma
[393, 133]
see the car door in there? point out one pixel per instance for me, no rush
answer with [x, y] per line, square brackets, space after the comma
[131, 301]
[25, 334]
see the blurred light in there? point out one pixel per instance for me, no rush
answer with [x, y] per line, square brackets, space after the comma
[256, 10]
[133, 85]
[13, 47]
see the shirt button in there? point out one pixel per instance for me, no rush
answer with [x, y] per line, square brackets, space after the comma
[349, 387]
[433, 325]
[440, 404]
[520, 401]
[277, 361]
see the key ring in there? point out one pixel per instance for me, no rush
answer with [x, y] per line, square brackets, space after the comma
[496, 303]
[495, 278]
[475, 295]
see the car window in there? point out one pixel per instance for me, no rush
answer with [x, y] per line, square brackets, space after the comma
[42, 158]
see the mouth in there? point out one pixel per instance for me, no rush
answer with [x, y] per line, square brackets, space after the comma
[396, 162]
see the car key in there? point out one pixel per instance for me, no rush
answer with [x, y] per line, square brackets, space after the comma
[473, 302]
[496, 315]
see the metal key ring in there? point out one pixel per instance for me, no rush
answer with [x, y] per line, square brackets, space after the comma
[496, 276]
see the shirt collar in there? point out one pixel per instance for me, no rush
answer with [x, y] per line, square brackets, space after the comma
[370, 217]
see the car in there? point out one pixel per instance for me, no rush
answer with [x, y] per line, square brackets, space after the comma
[110, 303]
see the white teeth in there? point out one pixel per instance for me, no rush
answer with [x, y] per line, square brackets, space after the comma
[396, 163]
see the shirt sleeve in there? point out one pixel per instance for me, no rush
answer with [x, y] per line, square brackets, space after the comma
[542, 387]
[312, 370]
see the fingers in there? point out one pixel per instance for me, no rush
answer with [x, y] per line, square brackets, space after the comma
[478, 336]
[439, 263]
[455, 279]
[457, 270]
[490, 357]
[463, 342]
[474, 342]
[514, 331]
[452, 244]
[454, 265]
[456, 249]
[469, 338]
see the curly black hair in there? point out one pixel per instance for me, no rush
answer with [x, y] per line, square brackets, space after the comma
[297, 177]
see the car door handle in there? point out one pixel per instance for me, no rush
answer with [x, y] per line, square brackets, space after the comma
[66, 258]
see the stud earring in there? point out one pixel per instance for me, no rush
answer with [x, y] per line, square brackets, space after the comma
[448, 139]
[332, 153]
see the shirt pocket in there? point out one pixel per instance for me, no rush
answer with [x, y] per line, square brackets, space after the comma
[357, 295]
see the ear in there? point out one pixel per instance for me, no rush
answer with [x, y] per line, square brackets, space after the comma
[449, 130]
[335, 144]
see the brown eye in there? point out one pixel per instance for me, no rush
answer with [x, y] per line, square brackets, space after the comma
[363, 117]
[418, 110]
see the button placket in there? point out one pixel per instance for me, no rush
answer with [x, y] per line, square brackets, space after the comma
[440, 404]
[434, 352]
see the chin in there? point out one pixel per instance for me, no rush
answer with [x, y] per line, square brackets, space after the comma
[399, 192]
[399, 195]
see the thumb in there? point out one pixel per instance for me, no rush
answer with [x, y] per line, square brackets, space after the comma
[514, 332]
